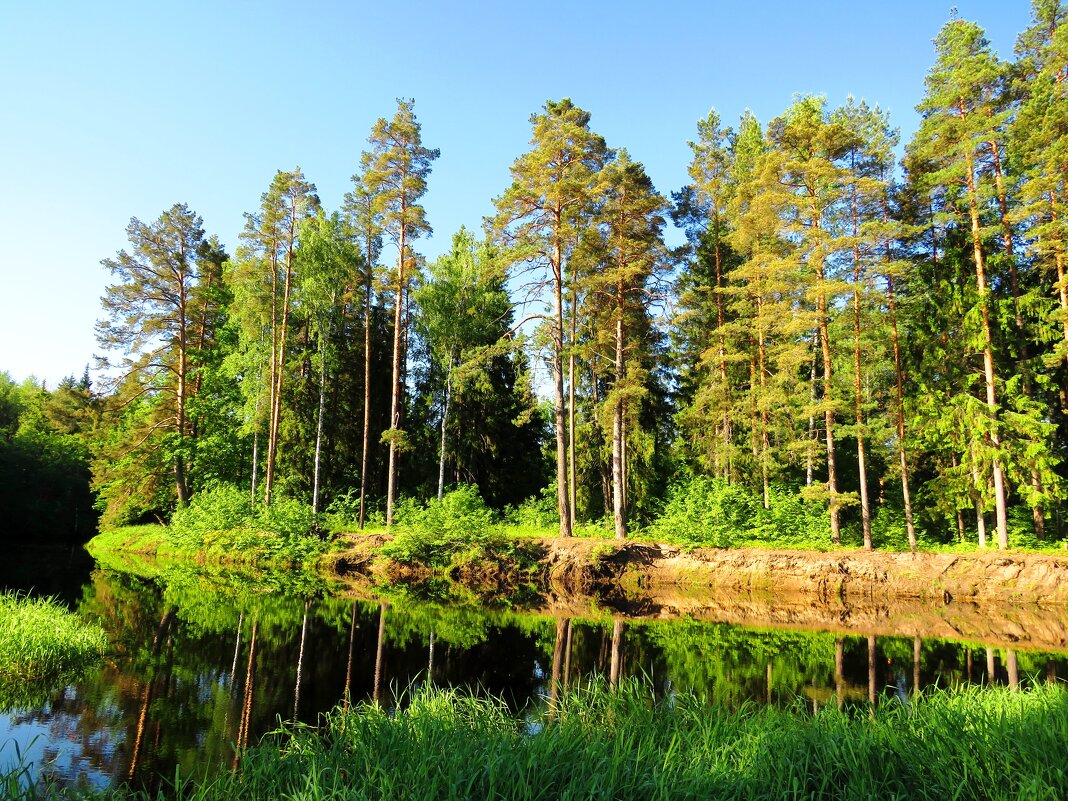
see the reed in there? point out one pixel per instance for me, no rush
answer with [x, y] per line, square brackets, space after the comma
[40, 639]
[597, 743]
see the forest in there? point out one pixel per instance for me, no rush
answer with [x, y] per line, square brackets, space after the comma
[868, 333]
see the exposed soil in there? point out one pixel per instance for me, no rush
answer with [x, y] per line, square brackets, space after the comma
[996, 598]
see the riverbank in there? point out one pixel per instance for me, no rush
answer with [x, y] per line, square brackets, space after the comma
[1000, 599]
[573, 565]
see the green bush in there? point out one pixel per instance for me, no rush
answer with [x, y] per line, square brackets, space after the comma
[709, 512]
[536, 512]
[438, 532]
[219, 508]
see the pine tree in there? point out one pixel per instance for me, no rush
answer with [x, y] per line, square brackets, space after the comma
[960, 114]
[364, 208]
[632, 262]
[264, 280]
[396, 171]
[538, 222]
[156, 316]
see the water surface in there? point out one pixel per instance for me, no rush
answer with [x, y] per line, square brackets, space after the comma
[201, 667]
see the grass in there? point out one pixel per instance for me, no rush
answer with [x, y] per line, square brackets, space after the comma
[41, 644]
[626, 744]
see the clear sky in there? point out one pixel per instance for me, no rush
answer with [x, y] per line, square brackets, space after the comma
[110, 110]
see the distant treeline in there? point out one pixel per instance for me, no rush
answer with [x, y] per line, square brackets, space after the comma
[888, 340]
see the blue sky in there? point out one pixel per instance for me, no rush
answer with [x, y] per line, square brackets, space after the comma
[110, 110]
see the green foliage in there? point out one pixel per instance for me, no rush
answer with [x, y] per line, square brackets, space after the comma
[702, 511]
[535, 512]
[42, 644]
[438, 532]
[627, 744]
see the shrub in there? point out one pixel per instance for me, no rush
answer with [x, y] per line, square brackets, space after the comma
[536, 512]
[219, 508]
[707, 511]
[439, 531]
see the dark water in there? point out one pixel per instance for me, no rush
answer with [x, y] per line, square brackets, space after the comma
[203, 666]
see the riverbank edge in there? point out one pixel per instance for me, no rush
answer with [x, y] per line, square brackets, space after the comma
[597, 566]
[1002, 599]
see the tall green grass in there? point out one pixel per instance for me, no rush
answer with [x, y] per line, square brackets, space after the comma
[41, 643]
[627, 744]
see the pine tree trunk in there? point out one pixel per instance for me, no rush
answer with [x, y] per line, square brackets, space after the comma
[562, 504]
[899, 386]
[319, 426]
[255, 459]
[810, 455]
[395, 391]
[366, 385]
[268, 480]
[380, 653]
[444, 422]
[300, 662]
[1000, 501]
[617, 428]
[571, 487]
[765, 442]
[828, 414]
[616, 665]
[1062, 289]
[1037, 514]
[980, 518]
[722, 345]
[862, 471]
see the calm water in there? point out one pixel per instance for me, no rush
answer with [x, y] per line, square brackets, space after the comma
[200, 668]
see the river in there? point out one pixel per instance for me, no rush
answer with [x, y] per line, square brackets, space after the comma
[201, 666]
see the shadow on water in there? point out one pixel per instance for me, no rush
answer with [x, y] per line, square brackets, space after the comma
[200, 668]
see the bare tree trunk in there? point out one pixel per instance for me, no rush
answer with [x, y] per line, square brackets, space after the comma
[395, 392]
[366, 385]
[1013, 669]
[319, 426]
[300, 662]
[617, 427]
[567, 654]
[444, 422]
[810, 456]
[380, 652]
[839, 671]
[558, 658]
[990, 675]
[246, 705]
[1000, 501]
[765, 442]
[917, 656]
[872, 696]
[275, 368]
[572, 480]
[899, 385]
[348, 665]
[563, 505]
[722, 345]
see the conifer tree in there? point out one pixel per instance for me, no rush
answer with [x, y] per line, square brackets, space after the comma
[157, 315]
[632, 262]
[265, 279]
[539, 220]
[959, 115]
[396, 171]
[364, 208]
